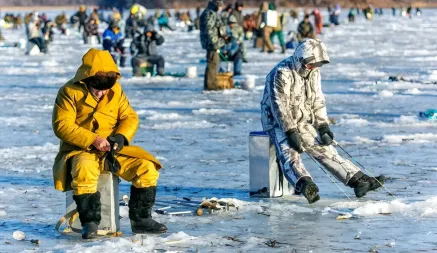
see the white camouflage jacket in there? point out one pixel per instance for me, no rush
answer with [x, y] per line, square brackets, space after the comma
[293, 94]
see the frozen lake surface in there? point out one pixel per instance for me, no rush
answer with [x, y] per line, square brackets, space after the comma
[202, 140]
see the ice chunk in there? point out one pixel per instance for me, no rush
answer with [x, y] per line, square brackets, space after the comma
[385, 94]
[19, 235]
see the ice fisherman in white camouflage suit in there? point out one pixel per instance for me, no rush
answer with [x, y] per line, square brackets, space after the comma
[293, 113]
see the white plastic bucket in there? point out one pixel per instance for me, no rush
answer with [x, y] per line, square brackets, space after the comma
[248, 82]
[191, 72]
[32, 49]
[93, 40]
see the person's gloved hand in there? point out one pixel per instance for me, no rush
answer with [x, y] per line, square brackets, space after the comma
[326, 135]
[111, 163]
[117, 143]
[155, 35]
[293, 138]
[119, 139]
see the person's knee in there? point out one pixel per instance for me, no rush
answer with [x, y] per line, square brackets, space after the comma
[147, 175]
[85, 172]
[161, 61]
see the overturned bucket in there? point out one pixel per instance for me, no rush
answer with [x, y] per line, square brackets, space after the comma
[248, 82]
[191, 72]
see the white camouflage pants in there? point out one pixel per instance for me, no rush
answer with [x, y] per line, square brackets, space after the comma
[291, 162]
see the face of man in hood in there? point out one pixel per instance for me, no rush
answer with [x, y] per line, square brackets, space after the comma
[99, 84]
[310, 55]
[97, 93]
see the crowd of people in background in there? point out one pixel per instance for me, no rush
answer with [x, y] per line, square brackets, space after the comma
[266, 26]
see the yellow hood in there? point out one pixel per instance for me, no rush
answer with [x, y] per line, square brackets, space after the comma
[94, 61]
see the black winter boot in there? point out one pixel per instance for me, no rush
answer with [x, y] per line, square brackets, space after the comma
[140, 211]
[309, 189]
[89, 208]
[161, 72]
[362, 184]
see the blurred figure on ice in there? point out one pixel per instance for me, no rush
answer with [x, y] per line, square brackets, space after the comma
[249, 26]
[393, 11]
[237, 34]
[368, 12]
[357, 9]
[61, 22]
[27, 20]
[163, 21]
[418, 12]
[403, 11]
[378, 11]
[292, 41]
[143, 50]
[117, 18]
[95, 123]
[212, 36]
[305, 30]
[278, 29]
[197, 20]
[334, 15]
[18, 22]
[139, 12]
[267, 22]
[186, 21]
[233, 50]
[43, 18]
[409, 11]
[80, 17]
[92, 29]
[9, 18]
[35, 34]
[259, 40]
[198, 11]
[294, 115]
[131, 26]
[47, 30]
[226, 13]
[116, 15]
[178, 15]
[318, 21]
[294, 15]
[113, 42]
[237, 12]
[351, 15]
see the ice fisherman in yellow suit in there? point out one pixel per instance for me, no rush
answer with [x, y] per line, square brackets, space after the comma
[96, 124]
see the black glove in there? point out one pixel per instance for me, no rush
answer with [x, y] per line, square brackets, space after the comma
[293, 138]
[155, 35]
[119, 139]
[326, 135]
[117, 143]
[111, 163]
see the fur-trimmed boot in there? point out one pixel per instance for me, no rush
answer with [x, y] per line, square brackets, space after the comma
[140, 211]
[89, 208]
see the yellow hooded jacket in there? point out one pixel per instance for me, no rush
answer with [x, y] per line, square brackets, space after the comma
[78, 118]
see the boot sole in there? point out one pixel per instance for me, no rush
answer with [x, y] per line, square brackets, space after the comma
[141, 231]
[312, 194]
[91, 237]
[376, 187]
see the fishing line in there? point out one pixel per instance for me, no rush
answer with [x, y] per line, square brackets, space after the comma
[338, 145]
[326, 173]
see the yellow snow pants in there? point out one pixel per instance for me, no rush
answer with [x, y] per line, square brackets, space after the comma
[86, 168]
